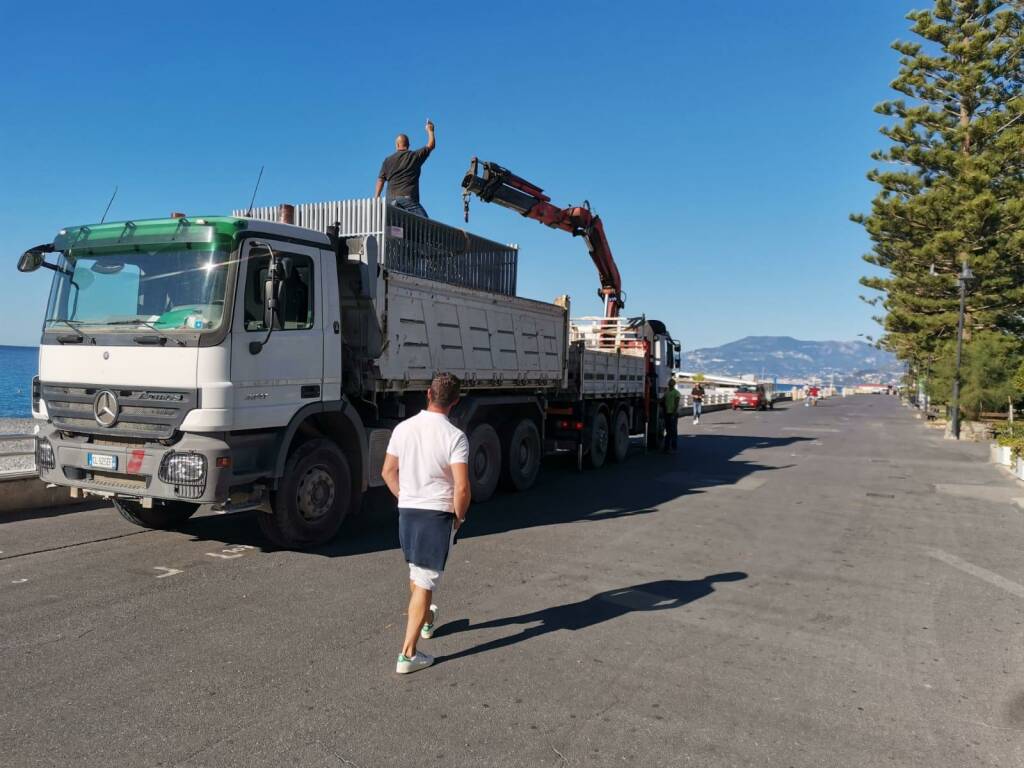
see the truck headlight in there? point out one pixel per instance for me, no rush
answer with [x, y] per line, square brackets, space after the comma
[45, 460]
[186, 472]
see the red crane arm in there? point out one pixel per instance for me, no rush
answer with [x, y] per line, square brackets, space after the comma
[494, 184]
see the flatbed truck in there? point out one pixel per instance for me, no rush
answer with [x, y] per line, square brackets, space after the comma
[261, 360]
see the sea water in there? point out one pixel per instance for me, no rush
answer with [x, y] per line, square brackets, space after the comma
[17, 367]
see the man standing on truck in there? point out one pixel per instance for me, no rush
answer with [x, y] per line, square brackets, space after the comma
[671, 417]
[401, 172]
[427, 468]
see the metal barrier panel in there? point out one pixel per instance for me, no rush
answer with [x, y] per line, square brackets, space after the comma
[411, 244]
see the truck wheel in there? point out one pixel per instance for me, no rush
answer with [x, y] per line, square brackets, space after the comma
[312, 499]
[522, 456]
[484, 462]
[620, 437]
[599, 439]
[163, 515]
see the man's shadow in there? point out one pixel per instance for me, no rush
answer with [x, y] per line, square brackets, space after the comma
[652, 596]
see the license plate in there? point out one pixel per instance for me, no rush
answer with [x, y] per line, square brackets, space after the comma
[102, 461]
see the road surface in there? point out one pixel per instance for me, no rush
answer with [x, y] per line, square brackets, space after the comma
[829, 586]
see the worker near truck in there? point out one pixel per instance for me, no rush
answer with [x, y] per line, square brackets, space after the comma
[427, 469]
[401, 172]
[671, 417]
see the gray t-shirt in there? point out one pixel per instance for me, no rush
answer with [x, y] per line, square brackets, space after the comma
[401, 171]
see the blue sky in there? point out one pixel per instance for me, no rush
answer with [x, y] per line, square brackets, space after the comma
[723, 144]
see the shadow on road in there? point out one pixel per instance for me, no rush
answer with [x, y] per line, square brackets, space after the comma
[562, 495]
[604, 606]
[19, 515]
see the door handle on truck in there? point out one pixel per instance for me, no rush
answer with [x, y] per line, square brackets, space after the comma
[310, 391]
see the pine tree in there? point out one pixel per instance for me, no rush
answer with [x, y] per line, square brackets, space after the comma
[953, 190]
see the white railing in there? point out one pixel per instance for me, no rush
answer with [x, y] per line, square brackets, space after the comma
[618, 333]
[12, 447]
[710, 398]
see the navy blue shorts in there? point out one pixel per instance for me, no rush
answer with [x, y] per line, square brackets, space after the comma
[426, 536]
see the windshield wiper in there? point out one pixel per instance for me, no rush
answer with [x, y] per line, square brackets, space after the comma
[73, 325]
[163, 337]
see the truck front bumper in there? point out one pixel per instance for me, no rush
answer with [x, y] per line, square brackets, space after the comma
[197, 468]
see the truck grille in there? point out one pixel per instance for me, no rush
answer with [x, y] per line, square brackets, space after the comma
[149, 414]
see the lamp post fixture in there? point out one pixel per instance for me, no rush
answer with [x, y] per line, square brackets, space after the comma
[962, 278]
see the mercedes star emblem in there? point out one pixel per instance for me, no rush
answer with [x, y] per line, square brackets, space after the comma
[105, 408]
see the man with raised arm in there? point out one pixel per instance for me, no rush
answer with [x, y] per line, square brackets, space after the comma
[401, 172]
[427, 468]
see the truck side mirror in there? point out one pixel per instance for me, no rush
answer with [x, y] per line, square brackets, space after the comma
[269, 302]
[34, 258]
[30, 261]
[279, 271]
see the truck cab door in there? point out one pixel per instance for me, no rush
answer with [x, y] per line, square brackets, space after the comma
[287, 373]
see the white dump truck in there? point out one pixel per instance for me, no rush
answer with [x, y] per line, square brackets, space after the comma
[242, 363]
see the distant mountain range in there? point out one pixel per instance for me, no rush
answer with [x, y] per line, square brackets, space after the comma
[789, 359]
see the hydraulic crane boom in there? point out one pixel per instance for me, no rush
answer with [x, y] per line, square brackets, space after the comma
[494, 184]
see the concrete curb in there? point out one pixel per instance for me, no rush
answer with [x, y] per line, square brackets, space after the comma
[24, 490]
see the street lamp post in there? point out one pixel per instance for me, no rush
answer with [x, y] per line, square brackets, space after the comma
[962, 278]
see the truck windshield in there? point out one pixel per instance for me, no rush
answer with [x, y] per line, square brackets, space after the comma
[171, 290]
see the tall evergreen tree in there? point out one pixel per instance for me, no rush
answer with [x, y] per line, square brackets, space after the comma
[952, 181]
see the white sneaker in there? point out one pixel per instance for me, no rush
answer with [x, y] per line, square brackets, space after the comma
[696, 420]
[427, 630]
[407, 666]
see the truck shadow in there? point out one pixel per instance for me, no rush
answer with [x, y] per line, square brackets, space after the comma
[651, 596]
[639, 486]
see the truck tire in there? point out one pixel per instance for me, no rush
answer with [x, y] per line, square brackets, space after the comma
[522, 456]
[620, 437]
[312, 499]
[599, 440]
[165, 516]
[484, 462]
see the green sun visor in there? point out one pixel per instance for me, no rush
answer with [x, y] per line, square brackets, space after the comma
[208, 232]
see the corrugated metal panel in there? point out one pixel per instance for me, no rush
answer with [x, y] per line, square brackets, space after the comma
[491, 341]
[413, 245]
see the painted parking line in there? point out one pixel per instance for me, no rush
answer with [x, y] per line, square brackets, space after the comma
[982, 573]
[230, 553]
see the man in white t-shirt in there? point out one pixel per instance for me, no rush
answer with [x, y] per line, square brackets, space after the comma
[427, 468]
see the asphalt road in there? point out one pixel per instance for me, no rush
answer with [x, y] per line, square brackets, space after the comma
[830, 586]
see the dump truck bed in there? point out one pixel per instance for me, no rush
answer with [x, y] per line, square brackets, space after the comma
[598, 373]
[490, 341]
